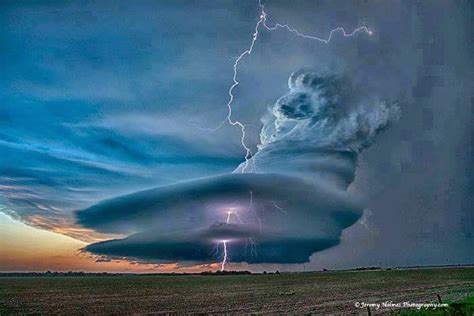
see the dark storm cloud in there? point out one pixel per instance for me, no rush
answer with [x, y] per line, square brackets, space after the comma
[196, 248]
[101, 100]
[198, 202]
[292, 189]
[94, 105]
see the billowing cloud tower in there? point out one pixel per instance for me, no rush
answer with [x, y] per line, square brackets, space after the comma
[286, 202]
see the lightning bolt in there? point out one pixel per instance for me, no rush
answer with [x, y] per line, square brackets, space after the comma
[263, 18]
[276, 206]
[250, 208]
[228, 217]
[224, 260]
[262, 21]
[232, 212]
[224, 243]
[364, 220]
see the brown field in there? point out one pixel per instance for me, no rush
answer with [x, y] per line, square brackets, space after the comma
[297, 293]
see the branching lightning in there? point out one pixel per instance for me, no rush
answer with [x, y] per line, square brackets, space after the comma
[262, 21]
[232, 212]
[224, 242]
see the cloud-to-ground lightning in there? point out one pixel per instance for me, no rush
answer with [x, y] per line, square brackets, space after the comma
[262, 21]
[224, 260]
[232, 211]
[224, 243]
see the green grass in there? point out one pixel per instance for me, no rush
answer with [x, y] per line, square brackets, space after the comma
[317, 293]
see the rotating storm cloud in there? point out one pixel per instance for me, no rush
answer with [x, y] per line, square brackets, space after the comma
[310, 94]
[100, 102]
[291, 204]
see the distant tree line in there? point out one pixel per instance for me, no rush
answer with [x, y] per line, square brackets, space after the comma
[81, 273]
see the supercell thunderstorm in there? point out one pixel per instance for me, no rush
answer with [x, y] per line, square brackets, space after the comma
[283, 203]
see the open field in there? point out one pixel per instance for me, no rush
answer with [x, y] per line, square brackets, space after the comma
[321, 293]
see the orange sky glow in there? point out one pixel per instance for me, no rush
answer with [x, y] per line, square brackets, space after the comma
[26, 248]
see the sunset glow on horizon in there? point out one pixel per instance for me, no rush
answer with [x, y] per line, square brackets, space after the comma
[27, 249]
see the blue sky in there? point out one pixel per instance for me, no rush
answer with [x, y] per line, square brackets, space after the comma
[101, 98]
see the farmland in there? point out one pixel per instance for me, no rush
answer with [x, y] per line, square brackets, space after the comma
[297, 293]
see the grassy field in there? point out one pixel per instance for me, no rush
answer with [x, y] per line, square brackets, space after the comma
[299, 293]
